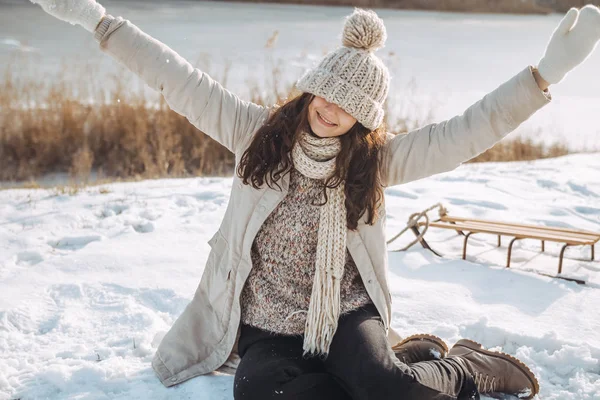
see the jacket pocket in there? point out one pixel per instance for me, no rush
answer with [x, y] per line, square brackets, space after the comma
[220, 280]
[218, 247]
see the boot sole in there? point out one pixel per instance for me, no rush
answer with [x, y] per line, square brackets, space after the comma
[423, 336]
[472, 345]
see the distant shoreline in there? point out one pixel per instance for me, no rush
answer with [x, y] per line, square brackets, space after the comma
[466, 6]
[542, 7]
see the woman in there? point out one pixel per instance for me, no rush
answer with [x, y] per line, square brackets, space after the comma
[295, 288]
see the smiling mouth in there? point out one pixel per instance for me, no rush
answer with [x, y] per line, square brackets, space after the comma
[325, 121]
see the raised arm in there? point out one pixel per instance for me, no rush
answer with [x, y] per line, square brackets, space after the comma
[441, 147]
[187, 90]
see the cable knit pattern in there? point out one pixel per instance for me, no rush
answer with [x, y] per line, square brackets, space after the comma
[283, 265]
[352, 76]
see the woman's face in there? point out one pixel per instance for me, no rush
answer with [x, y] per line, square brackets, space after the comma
[327, 119]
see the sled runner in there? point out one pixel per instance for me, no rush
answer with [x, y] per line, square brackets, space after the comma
[469, 226]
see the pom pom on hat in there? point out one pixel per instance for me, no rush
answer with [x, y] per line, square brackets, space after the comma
[364, 30]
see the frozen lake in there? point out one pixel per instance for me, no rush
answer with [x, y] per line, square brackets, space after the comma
[452, 58]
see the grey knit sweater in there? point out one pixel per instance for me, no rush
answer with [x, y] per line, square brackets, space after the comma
[283, 265]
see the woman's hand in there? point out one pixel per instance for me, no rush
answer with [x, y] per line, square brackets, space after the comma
[86, 13]
[571, 43]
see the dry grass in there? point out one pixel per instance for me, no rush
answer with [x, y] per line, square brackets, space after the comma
[51, 124]
[521, 150]
[120, 135]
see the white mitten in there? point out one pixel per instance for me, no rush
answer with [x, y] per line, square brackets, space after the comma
[571, 43]
[86, 13]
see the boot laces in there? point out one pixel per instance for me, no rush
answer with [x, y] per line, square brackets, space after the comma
[485, 383]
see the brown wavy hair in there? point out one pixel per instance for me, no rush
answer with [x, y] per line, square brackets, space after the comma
[268, 158]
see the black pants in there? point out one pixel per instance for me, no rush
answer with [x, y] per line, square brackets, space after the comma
[360, 365]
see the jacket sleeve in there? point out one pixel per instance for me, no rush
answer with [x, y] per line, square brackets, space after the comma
[441, 147]
[188, 91]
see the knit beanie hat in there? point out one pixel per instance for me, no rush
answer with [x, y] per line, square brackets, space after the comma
[352, 76]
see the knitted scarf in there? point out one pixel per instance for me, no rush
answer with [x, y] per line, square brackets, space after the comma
[315, 158]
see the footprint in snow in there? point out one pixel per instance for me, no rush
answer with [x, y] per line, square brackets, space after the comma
[587, 210]
[581, 189]
[144, 227]
[26, 258]
[112, 209]
[74, 242]
[36, 318]
[151, 215]
[401, 193]
[185, 201]
[478, 203]
[546, 184]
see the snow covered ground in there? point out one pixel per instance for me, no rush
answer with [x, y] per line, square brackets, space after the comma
[90, 282]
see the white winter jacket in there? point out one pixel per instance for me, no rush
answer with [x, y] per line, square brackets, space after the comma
[205, 335]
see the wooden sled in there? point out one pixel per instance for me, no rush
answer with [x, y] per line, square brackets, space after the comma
[469, 226]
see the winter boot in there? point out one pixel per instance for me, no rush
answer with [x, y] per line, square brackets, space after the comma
[495, 371]
[421, 347]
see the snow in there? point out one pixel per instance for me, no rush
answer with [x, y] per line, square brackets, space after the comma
[91, 282]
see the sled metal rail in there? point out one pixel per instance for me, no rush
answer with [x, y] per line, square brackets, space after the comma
[570, 237]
